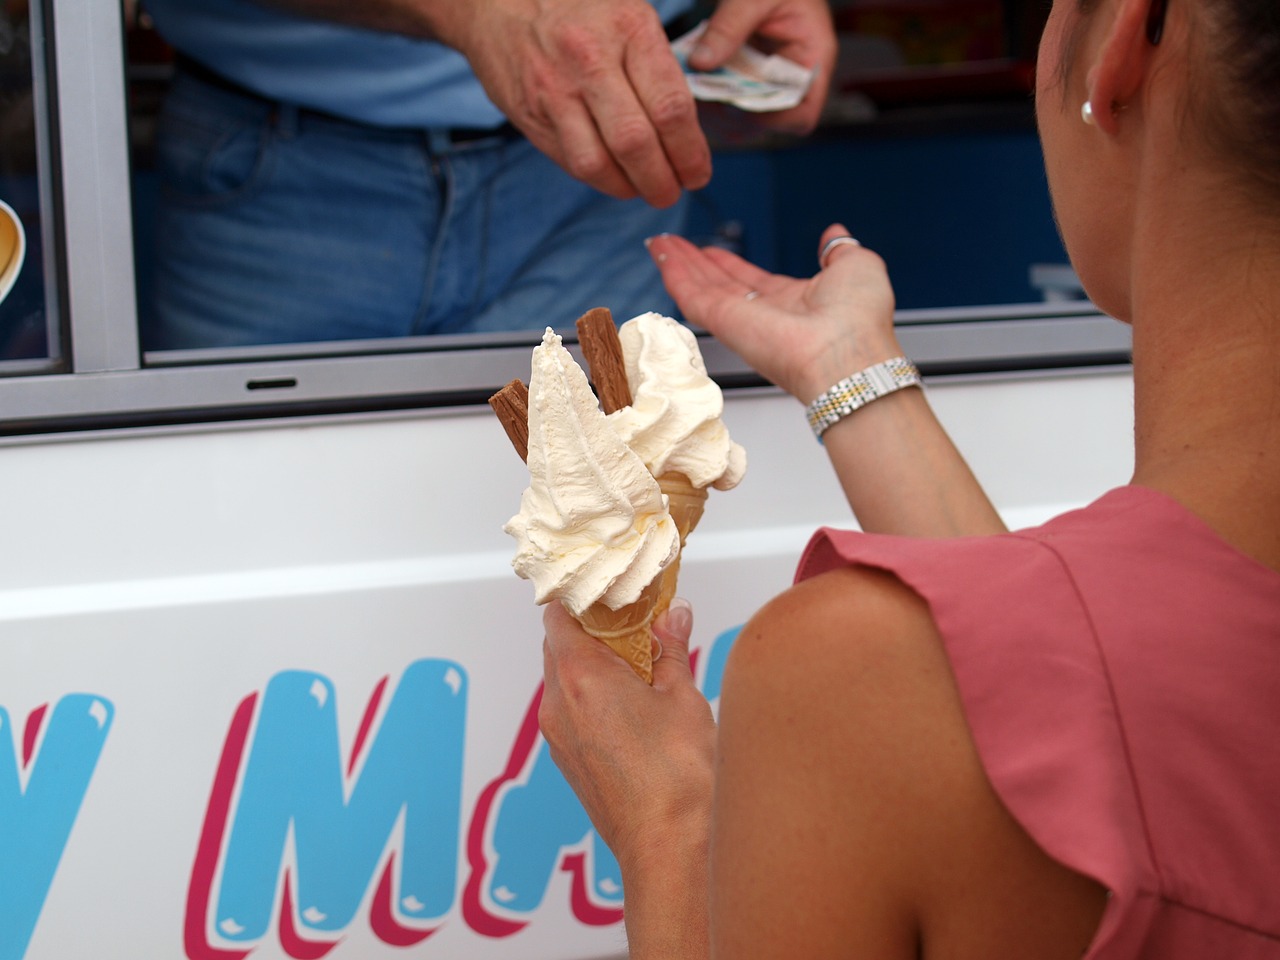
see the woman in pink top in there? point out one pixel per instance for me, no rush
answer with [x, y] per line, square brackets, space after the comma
[964, 743]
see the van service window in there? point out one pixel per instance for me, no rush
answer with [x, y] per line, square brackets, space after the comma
[928, 152]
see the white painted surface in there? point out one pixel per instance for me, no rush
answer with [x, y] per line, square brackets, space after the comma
[172, 576]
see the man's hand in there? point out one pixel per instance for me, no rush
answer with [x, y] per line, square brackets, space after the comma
[592, 85]
[800, 30]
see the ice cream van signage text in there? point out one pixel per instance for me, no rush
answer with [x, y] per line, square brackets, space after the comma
[42, 784]
[299, 843]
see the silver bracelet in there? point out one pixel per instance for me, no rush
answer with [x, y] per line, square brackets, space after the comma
[858, 390]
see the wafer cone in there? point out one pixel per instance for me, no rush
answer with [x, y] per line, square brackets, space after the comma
[686, 503]
[626, 631]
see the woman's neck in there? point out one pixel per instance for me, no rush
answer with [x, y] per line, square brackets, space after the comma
[1206, 346]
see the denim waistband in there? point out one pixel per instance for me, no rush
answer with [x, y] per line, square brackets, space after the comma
[290, 114]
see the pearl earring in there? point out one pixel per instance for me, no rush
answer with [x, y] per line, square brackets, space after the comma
[1086, 113]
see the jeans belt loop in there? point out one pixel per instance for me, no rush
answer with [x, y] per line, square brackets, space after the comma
[439, 142]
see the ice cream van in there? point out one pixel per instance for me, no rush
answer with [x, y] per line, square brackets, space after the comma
[268, 684]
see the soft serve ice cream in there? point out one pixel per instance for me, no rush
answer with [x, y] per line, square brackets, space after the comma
[611, 500]
[593, 526]
[674, 420]
[673, 423]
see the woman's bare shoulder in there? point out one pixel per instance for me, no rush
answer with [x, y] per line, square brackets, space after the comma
[840, 708]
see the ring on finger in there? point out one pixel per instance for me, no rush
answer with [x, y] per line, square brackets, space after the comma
[831, 245]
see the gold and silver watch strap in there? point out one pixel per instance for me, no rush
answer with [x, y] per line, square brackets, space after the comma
[856, 391]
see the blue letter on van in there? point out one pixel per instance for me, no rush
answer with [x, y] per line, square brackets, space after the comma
[35, 822]
[294, 795]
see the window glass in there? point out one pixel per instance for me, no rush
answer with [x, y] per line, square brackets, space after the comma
[928, 152]
[149, 69]
[26, 320]
[936, 170]
[940, 167]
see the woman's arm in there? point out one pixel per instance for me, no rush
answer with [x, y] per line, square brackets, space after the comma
[902, 474]
[852, 815]
[640, 759]
[897, 466]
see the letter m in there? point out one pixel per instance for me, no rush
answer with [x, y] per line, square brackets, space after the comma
[313, 835]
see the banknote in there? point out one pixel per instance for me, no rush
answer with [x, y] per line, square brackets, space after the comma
[751, 80]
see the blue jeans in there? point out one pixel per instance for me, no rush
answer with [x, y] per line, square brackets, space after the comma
[275, 225]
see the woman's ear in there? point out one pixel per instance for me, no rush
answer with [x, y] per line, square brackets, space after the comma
[1120, 65]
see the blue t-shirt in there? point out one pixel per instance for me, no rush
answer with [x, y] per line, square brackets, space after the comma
[365, 75]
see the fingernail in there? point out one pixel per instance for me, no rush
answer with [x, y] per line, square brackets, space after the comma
[648, 245]
[678, 620]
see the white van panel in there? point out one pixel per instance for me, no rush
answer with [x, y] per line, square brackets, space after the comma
[225, 655]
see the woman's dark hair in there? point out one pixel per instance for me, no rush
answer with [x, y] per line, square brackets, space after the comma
[1245, 123]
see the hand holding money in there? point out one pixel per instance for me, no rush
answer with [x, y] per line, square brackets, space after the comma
[750, 80]
[743, 35]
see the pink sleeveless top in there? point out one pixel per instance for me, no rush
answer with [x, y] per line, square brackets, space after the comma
[1120, 672]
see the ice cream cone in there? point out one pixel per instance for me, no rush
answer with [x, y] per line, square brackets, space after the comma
[686, 503]
[626, 630]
